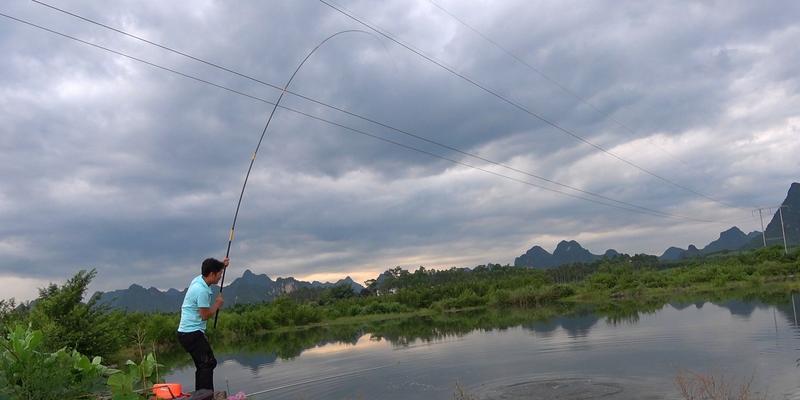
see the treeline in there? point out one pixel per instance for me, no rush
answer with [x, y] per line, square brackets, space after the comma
[67, 322]
[399, 291]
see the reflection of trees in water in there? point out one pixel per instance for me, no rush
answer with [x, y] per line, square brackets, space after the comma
[739, 308]
[576, 320]
[576, 326]
[743, 302]
[683, 304]
[629, 312]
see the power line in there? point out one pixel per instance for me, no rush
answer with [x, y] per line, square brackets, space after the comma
[382, 124]
[284, 90]
[541, 73]
[516, 104]
[627, 206]
[439, 63]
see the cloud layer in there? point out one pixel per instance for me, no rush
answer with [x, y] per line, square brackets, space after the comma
[116, 165]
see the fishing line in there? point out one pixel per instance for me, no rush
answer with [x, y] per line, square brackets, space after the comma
[318, 380]
[382, 124]
[258, 146]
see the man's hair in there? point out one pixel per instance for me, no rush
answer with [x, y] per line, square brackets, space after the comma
[212, 265]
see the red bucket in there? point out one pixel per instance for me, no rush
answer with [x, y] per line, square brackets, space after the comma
[168, 390]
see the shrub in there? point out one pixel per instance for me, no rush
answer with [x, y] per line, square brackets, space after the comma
[28, 372]
[467, 298]
[384, 307]
[67, 322]
[124, 384]
[697, 386]
[529, 297]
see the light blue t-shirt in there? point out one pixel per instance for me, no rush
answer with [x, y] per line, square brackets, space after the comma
[198, 295]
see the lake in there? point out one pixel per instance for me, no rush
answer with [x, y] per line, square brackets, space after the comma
[563, 354]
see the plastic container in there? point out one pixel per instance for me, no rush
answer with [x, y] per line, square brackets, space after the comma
[168, 391]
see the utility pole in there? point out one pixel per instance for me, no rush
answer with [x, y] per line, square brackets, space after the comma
[783, 230]
[763, 231]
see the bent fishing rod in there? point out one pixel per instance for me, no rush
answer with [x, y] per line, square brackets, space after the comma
[258, 146]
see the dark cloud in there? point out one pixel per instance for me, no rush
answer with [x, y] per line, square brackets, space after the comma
[112, 164]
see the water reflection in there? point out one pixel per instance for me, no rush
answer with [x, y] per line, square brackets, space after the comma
[576, 321]
[425, 355]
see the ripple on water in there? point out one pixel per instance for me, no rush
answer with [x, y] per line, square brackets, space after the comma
[567, 389]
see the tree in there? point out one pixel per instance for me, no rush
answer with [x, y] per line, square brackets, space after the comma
[11, 312]
[67, 322]
[343, 291]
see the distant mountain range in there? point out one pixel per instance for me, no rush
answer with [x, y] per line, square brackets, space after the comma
[252, 288]
[732, 239]
[248, 289]
[571, 252]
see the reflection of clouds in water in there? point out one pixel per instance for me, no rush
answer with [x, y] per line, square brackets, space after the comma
[364, 343]
[252, 361]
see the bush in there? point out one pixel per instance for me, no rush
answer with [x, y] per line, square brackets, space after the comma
[286, 312]
[467, 298]
[384, 307]
[67, 322]
[529, 297]
[27, 372]
[161, 328]
[124, 384]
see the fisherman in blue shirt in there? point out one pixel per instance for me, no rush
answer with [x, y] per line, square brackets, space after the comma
[196, 309]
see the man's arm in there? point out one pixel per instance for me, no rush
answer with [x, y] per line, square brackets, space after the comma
[208, 312]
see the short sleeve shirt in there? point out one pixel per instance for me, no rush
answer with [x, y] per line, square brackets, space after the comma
[198, 295]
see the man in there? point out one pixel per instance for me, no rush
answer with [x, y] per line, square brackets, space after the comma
[195, 311]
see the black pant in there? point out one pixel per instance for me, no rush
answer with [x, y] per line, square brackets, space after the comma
[196, 343]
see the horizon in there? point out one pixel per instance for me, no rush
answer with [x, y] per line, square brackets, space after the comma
[361, 282]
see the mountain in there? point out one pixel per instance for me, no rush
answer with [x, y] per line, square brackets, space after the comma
[692, 251]
[732, 239]
[137, 298]
[791, 220]
[611, 253]
[566, 252]
[350, 282]
[249, 288]
[676, 253]
[535, 257]
[673, 254]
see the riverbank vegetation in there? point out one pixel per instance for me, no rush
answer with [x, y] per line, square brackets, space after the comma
[66, 333]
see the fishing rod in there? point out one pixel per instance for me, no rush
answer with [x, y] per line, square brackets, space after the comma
[261, 139]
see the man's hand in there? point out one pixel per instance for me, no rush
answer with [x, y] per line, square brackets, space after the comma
[226, 261]
[206, 313]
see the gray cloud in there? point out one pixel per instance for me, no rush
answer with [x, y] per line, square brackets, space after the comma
[112, 164]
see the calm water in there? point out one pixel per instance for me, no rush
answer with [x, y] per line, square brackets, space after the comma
[620, 354]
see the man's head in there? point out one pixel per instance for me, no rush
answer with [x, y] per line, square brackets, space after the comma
[212, 270]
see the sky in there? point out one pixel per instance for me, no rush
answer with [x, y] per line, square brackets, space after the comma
[113, 164]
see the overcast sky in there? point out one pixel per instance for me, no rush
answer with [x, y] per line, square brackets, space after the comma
[112, 164]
